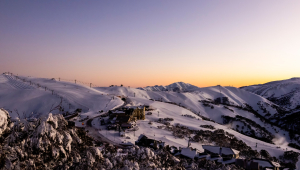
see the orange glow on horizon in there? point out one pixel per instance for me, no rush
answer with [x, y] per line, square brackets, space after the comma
[204, 43]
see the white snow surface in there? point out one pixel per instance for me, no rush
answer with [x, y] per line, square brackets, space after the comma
[32, 101]
[176, 112]
[3, 120]
[289, 89]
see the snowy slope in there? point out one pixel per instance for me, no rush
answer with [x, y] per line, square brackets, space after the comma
[178, 86]
[164, 110]
[191, 100]
[16, 95]
[285, 93]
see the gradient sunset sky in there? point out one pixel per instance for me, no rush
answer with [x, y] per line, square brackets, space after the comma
[144, 43]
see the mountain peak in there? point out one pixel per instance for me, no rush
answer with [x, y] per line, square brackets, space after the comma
[177, 87]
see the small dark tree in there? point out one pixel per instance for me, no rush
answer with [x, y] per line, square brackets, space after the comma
[265, 154]
[292, 135]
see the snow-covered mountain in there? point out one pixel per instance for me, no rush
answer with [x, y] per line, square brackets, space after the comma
[33, 97]
[241, 113]
[247, 116]
[176, 87]
[193, 100]
[285, 93]
[205, 104]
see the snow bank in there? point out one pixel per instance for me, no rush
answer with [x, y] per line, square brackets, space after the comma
[3, 120]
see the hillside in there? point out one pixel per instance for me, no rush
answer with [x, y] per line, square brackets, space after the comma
[34, 97]
[285, 93]
[187, 123]
[202, 104]
[193, 100]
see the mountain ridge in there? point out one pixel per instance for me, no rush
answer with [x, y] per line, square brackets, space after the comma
[285, 93]
[176, 87]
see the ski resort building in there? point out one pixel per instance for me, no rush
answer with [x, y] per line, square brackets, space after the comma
[248, 165]
[147, 142]
[222, 100]
[134, 113]
[126, 117]
[137, 112]
[257, 164]
[222, 151]
[266, 164]
[188, 153]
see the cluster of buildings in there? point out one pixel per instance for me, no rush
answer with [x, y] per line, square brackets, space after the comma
[125, 117]
[222, 100]
[147, 142]
[219, 154]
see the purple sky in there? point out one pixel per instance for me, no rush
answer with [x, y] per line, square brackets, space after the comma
[140, 43]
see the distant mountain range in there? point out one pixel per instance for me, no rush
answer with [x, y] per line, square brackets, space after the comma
[176, 87]
[284, 93]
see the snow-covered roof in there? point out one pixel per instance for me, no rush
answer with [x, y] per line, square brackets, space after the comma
[276, 164]
[213, 149]
[216, 149]
[235, 151]
[203, 156]
[134, 107]
[141, 136]
[226, 162]
[188, 152]
[118, 111]
[265, 163]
